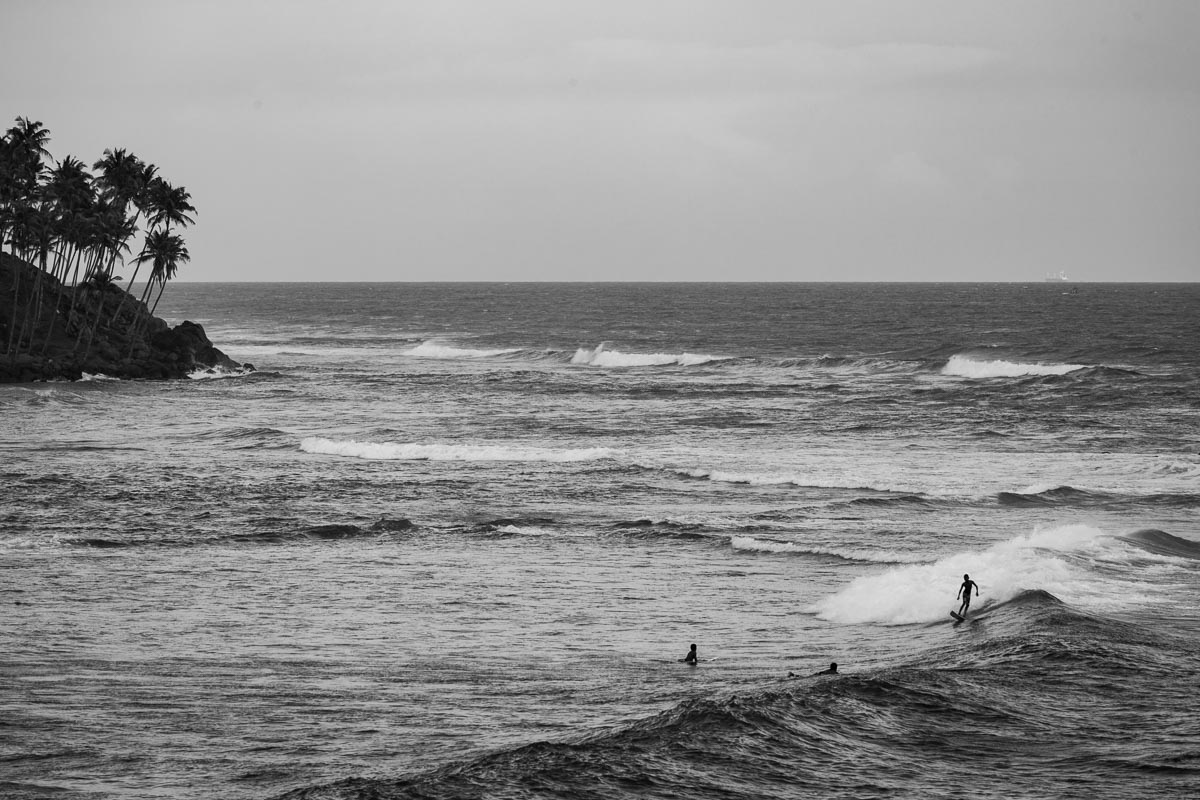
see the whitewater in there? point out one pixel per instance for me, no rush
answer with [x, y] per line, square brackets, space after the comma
[453, 540]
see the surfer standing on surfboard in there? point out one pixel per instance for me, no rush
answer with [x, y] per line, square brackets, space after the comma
[965, 592]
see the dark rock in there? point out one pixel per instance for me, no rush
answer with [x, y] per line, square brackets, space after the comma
[57, 333]
[392, 525]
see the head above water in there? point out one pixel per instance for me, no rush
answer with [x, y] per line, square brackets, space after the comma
[833, 667]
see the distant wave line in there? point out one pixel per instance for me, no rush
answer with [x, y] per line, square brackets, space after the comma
[445, 351]
[395, 451]
[750, 543]
[781, 479]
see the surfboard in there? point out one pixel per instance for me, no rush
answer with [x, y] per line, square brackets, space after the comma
[956, 615]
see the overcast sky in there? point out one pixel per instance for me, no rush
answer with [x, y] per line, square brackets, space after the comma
[641, 140]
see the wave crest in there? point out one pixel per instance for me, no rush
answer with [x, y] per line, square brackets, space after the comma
[1163, 543]
[601, 356]
[966, 367]
[1078, 563]
[749, 543]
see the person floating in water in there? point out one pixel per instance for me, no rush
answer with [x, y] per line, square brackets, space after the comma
[831, 671]
[965, 592]
[690, 658]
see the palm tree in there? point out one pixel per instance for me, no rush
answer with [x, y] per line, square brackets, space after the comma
[142, 175]
[73, 200]
[165, 251]
[32, 237]
[169, 205]
[27, 142]
[115, 229]
[120, 176]
[75, 228]
[22, 149]
[8, 221]
[166, 205]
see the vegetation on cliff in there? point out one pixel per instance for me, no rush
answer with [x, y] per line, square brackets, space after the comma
[67, 231]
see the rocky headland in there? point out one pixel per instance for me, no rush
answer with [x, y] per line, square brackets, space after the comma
[49, 331]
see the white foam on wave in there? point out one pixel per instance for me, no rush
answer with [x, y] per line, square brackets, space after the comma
[967, 367]
[752, 544]
[1175, 467]
[393, 451]
[445, 351]
[216, 373]
[601, 356]
[517, 530]
[540, 532]
[1055, 560]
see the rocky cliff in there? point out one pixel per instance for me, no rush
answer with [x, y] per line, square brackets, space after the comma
[52, 332]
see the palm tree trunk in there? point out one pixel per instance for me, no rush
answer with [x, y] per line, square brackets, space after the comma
[12, 323]
[72, 312]
[126, 296]
[100, 309]
[90, 285]
[33, 307]
[162, 285]
[75, 256]
[59, 257]
[142, 317]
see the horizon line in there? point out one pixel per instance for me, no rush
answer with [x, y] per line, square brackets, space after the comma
[1040, 282]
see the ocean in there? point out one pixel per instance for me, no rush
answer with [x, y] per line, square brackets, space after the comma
[453, 541]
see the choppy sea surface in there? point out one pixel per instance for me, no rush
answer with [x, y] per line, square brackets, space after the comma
[452, 540]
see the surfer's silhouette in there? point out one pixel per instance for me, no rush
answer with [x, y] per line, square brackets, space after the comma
[965, 592]
[831, 671]
[690, 658]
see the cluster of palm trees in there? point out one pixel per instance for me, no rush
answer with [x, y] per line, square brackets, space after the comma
[77, 226]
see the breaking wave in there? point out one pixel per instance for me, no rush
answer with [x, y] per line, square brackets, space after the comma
[967, 367]
[601, 356]
[1078, 563]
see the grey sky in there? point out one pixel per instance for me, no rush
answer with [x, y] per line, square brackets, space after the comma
[644, 140]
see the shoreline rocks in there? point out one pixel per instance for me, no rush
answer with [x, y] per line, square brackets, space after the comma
[51, 332]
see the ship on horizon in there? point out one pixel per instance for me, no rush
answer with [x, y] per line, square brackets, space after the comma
[1056, 277]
